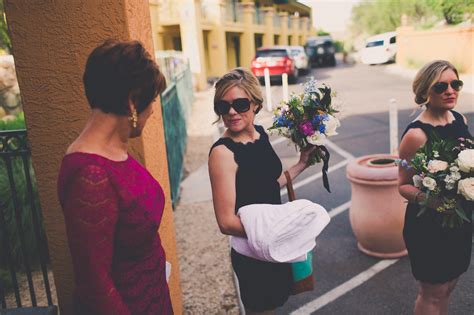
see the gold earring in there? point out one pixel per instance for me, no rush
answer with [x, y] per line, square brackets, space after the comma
[134, 118]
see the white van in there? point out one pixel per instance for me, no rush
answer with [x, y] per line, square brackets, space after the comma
[380, 48]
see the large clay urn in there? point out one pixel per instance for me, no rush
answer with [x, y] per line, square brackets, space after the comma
[377, 210]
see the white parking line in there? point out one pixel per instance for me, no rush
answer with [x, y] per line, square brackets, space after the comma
[339, 291]
[339, 209]
[314, 177]
[338, 150]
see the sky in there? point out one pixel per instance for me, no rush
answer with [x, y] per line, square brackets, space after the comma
[331, 15]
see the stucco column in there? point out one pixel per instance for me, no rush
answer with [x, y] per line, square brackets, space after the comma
[217, 43]
[158, 43]
[192, 39]
[247, 40]
[295, 30]
[304, 30]
[268, 37]
[284, 28]
[52, 40]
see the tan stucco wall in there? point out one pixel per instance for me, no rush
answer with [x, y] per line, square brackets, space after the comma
[51, 41]
[453, 44]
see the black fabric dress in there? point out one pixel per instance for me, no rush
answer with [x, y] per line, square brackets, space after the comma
[263, 285]
[438, 254]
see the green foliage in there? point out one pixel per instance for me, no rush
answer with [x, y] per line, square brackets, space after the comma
[6, 280]
[452, 11]
[380, 16]
[339, 46]
[322, 33]
[15, 124]
[25, 214]
[4, 37]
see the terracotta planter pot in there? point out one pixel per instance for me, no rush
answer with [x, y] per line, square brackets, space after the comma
[377, 210]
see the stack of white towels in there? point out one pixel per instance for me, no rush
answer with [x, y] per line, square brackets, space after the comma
[280, 233]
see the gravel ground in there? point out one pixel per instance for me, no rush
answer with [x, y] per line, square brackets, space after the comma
[205, 267]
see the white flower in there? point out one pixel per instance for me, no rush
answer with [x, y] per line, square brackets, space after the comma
[332, 123]
[435, 166]
[450, 182]
[436, 154]
[454, 169]
[465, 160]
[466, 188]
[418, 181]
[429, 183]
[316, 139]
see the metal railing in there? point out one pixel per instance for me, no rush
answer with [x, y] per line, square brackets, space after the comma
[176, 103]
[23, 244]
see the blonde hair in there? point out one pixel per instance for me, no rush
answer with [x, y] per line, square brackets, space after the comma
[245, 80]
[427, 77]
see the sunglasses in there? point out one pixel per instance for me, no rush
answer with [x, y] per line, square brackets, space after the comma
[440, 87]
[240, 105]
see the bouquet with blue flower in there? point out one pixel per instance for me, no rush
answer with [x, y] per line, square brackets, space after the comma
[307, 119]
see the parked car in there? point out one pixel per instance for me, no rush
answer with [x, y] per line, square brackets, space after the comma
[380, 48]
[301, 59]
[321, 51]
[278, 60]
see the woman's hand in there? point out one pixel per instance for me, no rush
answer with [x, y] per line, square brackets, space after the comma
[307, 153]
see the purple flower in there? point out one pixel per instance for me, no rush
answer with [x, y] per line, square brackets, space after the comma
[306, 129]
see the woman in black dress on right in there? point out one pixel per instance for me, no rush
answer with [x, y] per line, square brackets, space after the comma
[438, 255]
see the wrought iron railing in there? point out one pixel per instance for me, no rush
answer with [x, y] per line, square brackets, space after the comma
[23, 244]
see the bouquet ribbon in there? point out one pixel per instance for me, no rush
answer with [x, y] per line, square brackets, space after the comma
[325, 159]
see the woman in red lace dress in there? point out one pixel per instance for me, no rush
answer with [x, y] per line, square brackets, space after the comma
[112, 205]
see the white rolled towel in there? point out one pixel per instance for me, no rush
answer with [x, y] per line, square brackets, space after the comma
[280, 233]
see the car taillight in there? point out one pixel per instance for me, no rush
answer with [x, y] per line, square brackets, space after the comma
[288, 62]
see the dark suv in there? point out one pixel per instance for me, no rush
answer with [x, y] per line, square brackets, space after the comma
[321, 51]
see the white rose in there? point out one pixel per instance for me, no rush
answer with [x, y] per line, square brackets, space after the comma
[466, 188]
[465, 160]
[429, 183]
[332, 123]
[316, 139]
[435, 166]
[418, 181]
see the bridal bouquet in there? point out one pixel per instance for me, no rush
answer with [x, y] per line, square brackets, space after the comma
[308, 119]
[445, 170]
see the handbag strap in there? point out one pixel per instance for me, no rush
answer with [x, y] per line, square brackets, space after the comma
[289, 187]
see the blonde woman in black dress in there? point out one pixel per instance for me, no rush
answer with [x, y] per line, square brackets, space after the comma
[438, 255]
[244, 169]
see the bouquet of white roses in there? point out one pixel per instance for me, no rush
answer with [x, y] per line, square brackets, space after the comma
[445, 170]
[308, 119]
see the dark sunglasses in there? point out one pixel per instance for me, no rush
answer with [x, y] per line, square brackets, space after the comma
[440, 87]
[240, 105]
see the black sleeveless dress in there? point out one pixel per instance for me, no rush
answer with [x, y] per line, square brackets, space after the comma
[263, 285]
[438, 254]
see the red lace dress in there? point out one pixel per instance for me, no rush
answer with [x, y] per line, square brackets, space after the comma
[112, 212]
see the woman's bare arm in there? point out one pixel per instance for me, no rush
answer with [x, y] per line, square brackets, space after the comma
[222, 172]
